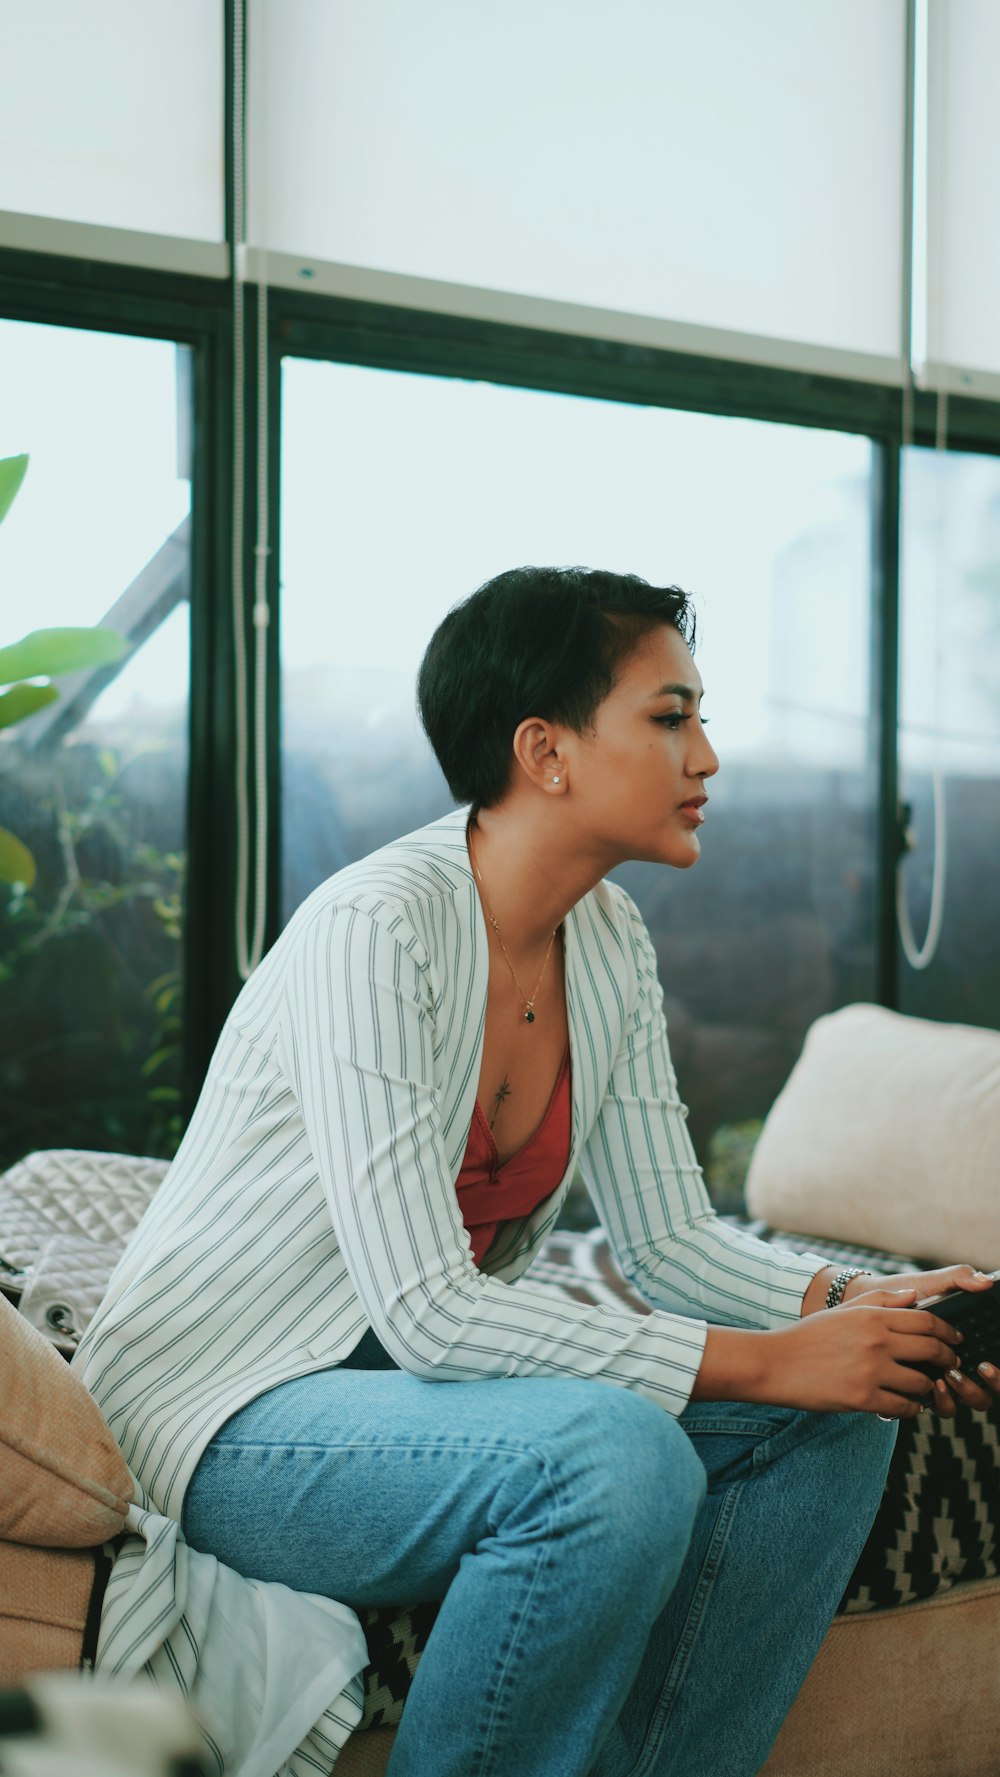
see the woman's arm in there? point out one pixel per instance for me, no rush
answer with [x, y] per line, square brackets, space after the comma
[648, 1187]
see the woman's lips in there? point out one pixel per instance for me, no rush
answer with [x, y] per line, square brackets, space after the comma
[694, 811]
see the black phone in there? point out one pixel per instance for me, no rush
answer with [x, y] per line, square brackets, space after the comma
[976, 1315]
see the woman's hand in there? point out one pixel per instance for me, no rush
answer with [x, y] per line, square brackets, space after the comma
[831, 1361]
[955, 1386]
[863, 1361]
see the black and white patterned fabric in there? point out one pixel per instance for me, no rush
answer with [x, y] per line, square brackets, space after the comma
[396, 1639]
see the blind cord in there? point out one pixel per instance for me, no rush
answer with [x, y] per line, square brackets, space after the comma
[921, 956]
[248, 949]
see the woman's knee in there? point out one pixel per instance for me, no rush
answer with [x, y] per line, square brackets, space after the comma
[618, 1457]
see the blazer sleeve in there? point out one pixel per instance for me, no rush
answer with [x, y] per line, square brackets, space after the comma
[647, 1185]
[360, 1029]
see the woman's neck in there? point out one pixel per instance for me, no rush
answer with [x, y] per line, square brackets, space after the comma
[526, 873]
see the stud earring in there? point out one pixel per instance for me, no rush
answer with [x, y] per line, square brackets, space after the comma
[555, 780]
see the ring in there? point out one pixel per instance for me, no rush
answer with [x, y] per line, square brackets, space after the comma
[886, 1418]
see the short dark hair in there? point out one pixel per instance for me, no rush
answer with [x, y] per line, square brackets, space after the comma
[532, 642]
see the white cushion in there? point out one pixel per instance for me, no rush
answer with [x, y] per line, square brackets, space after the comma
[887, 1134]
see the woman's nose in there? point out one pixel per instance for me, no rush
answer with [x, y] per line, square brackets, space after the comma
[705, 761]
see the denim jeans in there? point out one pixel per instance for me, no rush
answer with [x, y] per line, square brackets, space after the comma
[625, 1594]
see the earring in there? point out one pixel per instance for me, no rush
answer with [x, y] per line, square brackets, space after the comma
[555, 780]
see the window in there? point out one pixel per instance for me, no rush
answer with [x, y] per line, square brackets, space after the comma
[95, 784]
[950, 727]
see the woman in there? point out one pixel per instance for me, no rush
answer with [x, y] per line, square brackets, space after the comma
[318, 1351]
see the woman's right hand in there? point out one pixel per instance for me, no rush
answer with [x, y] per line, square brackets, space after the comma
[859, 1357]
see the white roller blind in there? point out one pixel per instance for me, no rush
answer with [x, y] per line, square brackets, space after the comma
[722, 164]
[111, 114]
[963, 195]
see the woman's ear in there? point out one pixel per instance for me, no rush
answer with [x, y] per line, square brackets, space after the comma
[536, 750]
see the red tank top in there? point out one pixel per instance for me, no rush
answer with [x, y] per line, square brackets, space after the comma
[489, 1193]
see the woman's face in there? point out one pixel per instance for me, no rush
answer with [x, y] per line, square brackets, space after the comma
[637, 778]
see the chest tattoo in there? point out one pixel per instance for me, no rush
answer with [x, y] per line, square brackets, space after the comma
[500, 1097]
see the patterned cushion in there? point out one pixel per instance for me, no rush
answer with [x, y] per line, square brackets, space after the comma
[396, 1639]
[65, 1216]
[70, 1191]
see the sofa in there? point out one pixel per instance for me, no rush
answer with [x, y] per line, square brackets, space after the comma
[908, 1678]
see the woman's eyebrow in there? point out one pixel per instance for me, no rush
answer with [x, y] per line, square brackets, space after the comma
[684, 691]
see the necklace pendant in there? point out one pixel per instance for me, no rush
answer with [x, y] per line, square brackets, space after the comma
[529, 1016]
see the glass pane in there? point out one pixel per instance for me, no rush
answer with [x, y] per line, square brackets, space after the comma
[403, 493]
[95, 784]
[682, 161]
[115, 115]
[950, 728]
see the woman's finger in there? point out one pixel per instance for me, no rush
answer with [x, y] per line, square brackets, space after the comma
[955, 1277]
[966, 1277]
[944, 1400]
[922, 1320]
[884, 1296]
[924, 1348]
[915, 1382]
[899, 1406]
[972, 1394]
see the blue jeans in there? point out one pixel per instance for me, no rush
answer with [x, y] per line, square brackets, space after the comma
[625, 1594]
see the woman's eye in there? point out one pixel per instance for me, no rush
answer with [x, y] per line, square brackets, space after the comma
[674, 718]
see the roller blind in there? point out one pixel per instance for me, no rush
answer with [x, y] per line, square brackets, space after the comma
[963, 196]
[727, 165]
[113, 115]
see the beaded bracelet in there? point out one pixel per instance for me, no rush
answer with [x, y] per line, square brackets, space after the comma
[835, 1294]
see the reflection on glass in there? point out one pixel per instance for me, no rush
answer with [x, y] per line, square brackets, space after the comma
[950, 727]
[90, 1043]
[403, 493]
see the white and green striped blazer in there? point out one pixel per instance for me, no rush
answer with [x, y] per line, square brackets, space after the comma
[314, 1192]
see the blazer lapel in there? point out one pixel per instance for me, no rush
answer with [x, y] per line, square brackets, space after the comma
[594, 1017]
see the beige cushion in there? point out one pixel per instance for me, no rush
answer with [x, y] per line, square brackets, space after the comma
[366, 1754]
[64, 1483]
[44, 1598]
[887, 1134]
[909, 1692]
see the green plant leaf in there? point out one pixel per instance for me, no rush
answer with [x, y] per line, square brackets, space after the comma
[16, 861]
[49, 652]
[155, 1061]
[12, 470]
[24, 700]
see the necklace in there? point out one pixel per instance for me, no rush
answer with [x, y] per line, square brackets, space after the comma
[529, 1001]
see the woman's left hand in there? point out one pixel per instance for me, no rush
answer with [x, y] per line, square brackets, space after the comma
[954, 1386]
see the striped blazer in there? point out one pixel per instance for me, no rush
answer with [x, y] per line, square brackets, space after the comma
[314, 1194]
